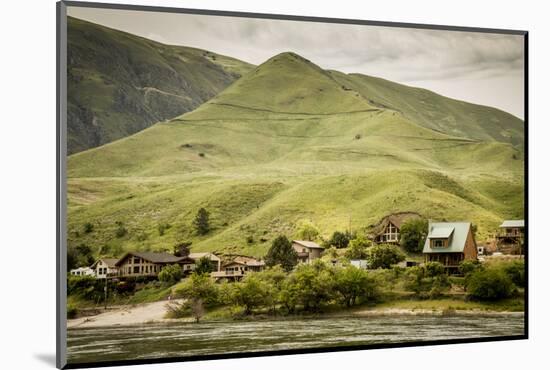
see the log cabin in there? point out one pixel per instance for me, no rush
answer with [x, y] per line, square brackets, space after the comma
[450, 243]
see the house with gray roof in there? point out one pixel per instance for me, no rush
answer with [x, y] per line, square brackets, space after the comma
[450, 243]
[149, 264]
[307, 250]
[510, 237]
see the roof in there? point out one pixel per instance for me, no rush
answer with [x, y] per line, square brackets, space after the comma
[457, 233]
[513, 223]
[245, 260]
[308, 244]
[154, 257]
[200, 255]
[397, 219]
[441, 232]
[110, 262]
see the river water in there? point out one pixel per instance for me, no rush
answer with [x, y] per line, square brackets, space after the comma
[159, 340]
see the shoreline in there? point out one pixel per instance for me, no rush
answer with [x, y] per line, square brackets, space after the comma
[154, 312]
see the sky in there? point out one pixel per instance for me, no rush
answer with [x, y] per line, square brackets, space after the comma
[480, 68]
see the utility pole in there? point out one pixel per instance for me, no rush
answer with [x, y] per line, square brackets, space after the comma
[105, 289]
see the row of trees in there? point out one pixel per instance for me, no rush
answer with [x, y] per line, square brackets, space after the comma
[307, 288]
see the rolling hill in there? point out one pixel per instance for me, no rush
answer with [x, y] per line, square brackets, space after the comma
[289, 142]
[119, 83]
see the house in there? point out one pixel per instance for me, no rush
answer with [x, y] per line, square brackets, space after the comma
[105, 267]
[361, 264]
[387, 230]
[215, 261]
[82, 271]
[237, 267]
[511, 236]
[450, 243]
[307, 251]
[149, 264]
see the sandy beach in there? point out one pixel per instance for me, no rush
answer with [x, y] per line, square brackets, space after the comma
[124, 315]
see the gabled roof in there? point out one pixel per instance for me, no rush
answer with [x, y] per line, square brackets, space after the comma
[513, 223]
[439, 232]
[110, 262]
[199, 255]
[245, 260]
[397, 219]
[308, 244]
[154, 257]
[457, 233]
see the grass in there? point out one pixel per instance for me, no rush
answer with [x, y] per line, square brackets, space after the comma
[310, 150]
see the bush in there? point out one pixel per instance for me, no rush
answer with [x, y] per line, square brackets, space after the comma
[428, 281]
[120, 231]
[313, 285]
[251, 293]
[384, 256]
[516, 272]
[249, 239]
[170, 274]
[413, 234]
[490, 285]
[339, 240]
[201, 287]
[352, 284]
[203, 266]
[72, 311]
[357, 249]
[281, 253]
[162, 228]
[88, 228]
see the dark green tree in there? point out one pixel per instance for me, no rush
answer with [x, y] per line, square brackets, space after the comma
[282, 253]
[357, 249]
[182, 249]
[413, 234]
[491, 284]
[171, 274]
[201, 222]
[339, 239]
[203, 266]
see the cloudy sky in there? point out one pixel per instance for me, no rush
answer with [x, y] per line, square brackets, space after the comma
[476, 67]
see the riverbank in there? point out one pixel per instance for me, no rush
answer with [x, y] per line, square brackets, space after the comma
[155, 312]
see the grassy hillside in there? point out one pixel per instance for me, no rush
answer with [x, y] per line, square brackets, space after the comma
[287, 142]
[437, 112]
[119, 83]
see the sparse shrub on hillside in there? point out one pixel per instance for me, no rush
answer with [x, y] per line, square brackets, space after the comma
[249, 239]
[413, 235]
[88, 227]
[120, 231]
[201, 154]
[201, 222]
[358, 136]
[281, 253]
[384, 256]
[162, 227]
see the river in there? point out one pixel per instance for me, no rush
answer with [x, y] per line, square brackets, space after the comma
[158, 340]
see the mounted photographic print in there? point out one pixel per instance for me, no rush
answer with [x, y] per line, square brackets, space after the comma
[235, 184]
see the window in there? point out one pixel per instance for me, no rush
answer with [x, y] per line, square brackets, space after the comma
[303, 250]
[136, 269]
[438, 243]
[136, 260]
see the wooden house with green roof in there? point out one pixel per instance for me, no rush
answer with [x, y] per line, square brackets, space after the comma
[450, 243]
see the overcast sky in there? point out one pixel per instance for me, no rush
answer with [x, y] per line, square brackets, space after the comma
[476, 67]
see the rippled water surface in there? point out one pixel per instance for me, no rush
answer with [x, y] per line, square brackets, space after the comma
[189, 339]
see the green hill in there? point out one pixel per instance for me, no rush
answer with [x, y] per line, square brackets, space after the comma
[120, 83]
[289, 142]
